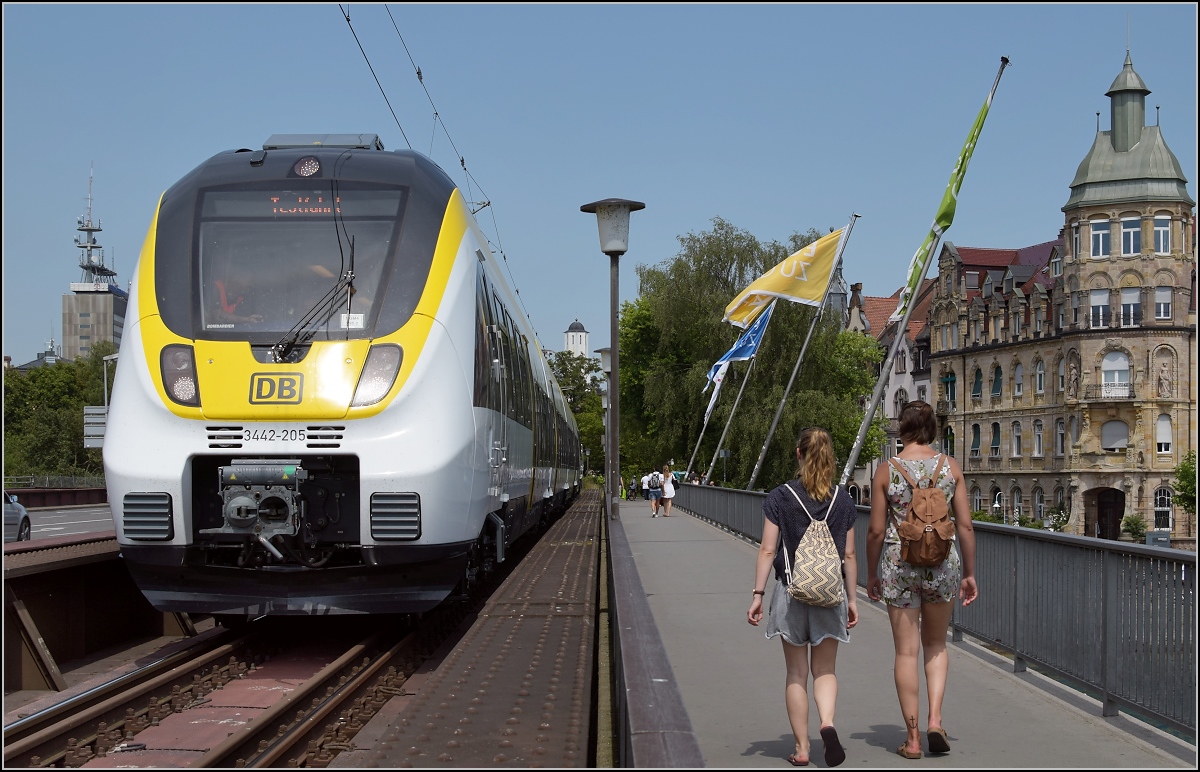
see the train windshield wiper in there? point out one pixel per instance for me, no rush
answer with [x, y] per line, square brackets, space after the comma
[319, 315]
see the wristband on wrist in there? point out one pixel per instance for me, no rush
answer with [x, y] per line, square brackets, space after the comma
[760, 592]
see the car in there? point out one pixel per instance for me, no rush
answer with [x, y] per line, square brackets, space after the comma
[17, 525]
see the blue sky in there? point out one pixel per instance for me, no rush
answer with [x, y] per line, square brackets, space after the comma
[777, 118]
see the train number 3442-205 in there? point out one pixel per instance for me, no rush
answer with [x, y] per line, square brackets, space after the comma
[273, 435]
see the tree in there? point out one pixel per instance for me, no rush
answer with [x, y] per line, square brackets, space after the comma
[578, 377]
[673, 333]
[1185, 484]
[43, 415]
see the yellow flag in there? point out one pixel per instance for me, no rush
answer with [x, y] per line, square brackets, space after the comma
[801, 278]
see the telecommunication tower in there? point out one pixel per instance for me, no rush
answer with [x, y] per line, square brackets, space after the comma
[91, 261]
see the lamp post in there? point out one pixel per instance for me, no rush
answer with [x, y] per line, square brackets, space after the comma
[606, 368]
[998, 508]
[107, 359]
[587, 457]
[612, 219]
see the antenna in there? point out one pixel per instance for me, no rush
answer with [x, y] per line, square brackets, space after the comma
[1097, 121]
[91, 261]
[1156, 114]
[1127, 31]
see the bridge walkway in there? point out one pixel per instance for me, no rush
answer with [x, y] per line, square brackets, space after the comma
[698, 579]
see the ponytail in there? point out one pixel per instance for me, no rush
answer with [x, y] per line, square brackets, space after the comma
[817, 462]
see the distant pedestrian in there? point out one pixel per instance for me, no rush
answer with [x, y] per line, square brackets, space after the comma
[645, 487]
[920, 600]
[810, 633]
[654, 482]
[668, 490]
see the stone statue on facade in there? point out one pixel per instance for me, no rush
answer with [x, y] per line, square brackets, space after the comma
[1164, 381]
[1072, 381]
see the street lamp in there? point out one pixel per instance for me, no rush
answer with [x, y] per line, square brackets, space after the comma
[612, 219]
[998, 508]
[107, 359]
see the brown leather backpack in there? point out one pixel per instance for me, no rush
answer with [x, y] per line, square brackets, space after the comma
[926, 532]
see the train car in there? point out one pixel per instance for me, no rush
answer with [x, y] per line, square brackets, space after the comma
[328, 400]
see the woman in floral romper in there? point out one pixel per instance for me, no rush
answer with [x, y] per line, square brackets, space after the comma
[920, 600]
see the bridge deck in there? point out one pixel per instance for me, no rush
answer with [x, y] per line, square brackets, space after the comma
[698, 580]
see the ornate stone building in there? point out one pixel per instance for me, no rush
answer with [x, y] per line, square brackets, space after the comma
[1064, 371]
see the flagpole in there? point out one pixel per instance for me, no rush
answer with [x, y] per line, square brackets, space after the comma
[922, 259]
[833, 271]
[717, 452]
[698, 439]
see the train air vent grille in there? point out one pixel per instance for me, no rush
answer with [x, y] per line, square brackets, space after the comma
[325, 436]
[147, 516]
[395, 516]
[224, 436]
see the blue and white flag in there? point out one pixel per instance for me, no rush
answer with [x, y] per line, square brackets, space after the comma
[743, 348]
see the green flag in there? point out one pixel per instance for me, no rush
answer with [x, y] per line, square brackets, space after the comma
[945, 213]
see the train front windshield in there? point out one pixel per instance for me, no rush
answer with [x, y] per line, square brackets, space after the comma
[272, 258]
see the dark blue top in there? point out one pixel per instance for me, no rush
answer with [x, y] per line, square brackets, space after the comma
[781, 508]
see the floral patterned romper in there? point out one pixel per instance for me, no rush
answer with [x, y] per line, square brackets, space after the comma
[906, 586]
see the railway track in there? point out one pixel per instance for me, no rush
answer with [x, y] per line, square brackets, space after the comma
[291, 691]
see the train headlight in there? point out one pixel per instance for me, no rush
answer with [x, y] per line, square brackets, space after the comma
[378, 375]
[178, 365]
[307, 166]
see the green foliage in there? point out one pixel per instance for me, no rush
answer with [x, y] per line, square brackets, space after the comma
[580, 380]
[1184, 484]
[1058, 517]
[672, 334]
[982, 516]
[1135, 526]
[1024, 521]
[43, 415]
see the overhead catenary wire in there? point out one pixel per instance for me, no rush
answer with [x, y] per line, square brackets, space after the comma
[472, 183]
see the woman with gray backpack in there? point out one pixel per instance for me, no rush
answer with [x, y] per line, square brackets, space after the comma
[808, 538]
[928, 560]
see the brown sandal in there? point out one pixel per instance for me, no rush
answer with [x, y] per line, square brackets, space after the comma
[903, 751]
[938, 742]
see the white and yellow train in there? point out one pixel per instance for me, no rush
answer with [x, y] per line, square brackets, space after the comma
[327, 400]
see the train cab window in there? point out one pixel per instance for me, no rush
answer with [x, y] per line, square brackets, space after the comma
[271, 258]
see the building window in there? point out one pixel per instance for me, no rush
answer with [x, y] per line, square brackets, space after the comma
[997, 381]
[1162, 508]
[974, 440]
[976, 499]
[85, 337]
[1016, 439]
[1037, 438]
[1075, 308]
[921, 394]
[1017, 504]
[1037, 321]
[1019, 380]
[899, 400]
[995, 440]
[1039, 504]
[86, 313]
[953, 334]
[948, 441]
[1039, 377]
[977, 384]
[952, 388]
[1101, 312]
[1115, 370]
[1062, 318]
[1162, 303]
[901, 361]
[1162, 434]
[1131, 306]
[1131, 236]
[1075, 241]
[1114, 435]
[1059, 495]
[972, 280]
[1100, 236]
[1162, 235]
[85, 326]
[1016, 325]
[1060, 438]
[1055, 264]
[1062, 375]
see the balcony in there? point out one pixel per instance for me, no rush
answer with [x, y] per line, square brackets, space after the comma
[946, 406]
[1109, 391]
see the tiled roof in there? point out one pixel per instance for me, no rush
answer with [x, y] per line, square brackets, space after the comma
[1039, 254]
[986, 258]
[877, 310]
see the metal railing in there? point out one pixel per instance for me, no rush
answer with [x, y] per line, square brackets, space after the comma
[1109, 391]
[1115, 617]
[53, 481]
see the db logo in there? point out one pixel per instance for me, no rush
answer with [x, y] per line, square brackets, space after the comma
[276, 388]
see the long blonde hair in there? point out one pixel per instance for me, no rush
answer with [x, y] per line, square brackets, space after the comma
[817, 462]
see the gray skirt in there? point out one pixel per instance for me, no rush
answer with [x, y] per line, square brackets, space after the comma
[803, 625]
